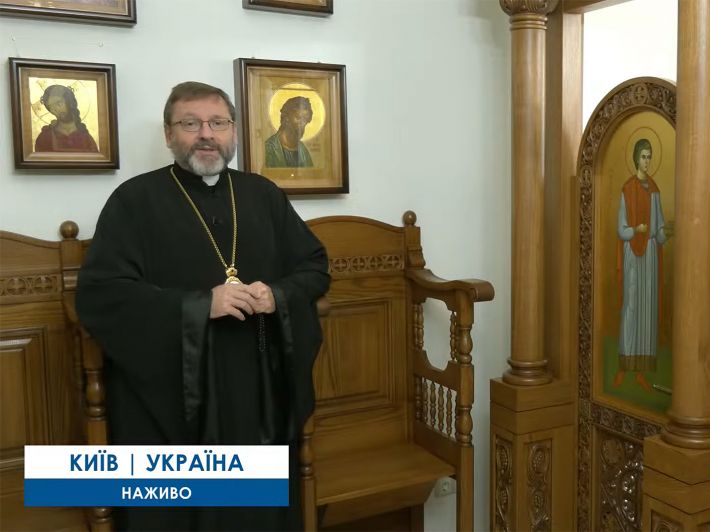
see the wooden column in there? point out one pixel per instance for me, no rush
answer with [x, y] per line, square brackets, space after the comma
[532, 417]
[689, 415]
[677, 463]
[528, 20]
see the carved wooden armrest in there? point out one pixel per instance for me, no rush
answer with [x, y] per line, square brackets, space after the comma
[427, 284]
[431, 383]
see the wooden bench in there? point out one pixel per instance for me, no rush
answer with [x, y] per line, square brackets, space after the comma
[387, 423]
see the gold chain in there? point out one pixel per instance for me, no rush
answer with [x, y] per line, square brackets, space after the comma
[230, 271]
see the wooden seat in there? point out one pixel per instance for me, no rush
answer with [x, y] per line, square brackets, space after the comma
[373, 472]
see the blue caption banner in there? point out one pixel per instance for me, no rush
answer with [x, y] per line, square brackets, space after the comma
[143, 492]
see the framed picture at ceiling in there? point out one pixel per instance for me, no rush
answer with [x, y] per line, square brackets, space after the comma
[63, 114]
[99, 11]
[302, 7]
[293, 124]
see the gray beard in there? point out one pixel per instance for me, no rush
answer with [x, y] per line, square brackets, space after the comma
[190, 162]
[198, 167]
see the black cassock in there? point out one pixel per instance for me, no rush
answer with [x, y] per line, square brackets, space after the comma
[173, 376]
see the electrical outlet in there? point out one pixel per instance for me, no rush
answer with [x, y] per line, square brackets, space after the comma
[445, 486]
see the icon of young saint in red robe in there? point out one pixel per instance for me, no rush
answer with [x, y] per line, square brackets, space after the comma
[642, 231]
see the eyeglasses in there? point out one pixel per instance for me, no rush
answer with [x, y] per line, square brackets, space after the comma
[192, 125]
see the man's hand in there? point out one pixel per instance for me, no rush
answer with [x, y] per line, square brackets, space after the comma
[240, 299]
[232, 300]
[641, 228]
[263, 296]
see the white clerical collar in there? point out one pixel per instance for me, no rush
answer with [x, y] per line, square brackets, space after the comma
[210, 180]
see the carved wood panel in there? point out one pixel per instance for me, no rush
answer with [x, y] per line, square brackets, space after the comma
[348, 331]
[503, 490]
[30, 287]
[539, 489]
[660, 523]
[345, 266]
[620, 474]
[367, 316]
[39, 404]
[23, 391]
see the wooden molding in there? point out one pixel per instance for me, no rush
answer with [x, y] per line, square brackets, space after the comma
[520, 399]
[585, 6]
[691, 466]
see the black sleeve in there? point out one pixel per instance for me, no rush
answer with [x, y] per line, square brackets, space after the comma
[305, 258]
[296, 293]
[141, 327]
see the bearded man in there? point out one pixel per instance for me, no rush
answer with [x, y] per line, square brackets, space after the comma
[285, 148]
[200, 286]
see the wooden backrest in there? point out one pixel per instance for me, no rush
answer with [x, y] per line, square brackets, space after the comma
[361, 372]
[40, 368]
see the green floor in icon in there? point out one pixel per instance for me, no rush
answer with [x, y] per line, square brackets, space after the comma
[630, 390]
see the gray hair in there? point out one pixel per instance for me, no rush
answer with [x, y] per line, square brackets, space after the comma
[194, 90]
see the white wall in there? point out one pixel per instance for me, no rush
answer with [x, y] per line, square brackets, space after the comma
[428, 119]
[633, 39]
